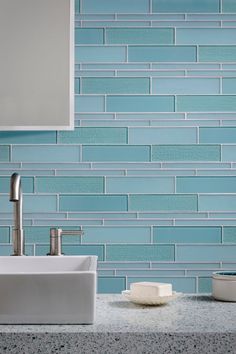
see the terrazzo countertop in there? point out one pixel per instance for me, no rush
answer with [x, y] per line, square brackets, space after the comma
[189, 325]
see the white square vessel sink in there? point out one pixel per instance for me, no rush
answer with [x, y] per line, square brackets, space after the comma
[48, 289]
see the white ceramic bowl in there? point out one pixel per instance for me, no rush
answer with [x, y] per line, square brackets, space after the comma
[224, 286]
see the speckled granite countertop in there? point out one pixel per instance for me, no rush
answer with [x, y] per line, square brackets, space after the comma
[189, 325]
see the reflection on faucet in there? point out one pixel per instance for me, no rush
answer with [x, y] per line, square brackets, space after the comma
[17, 233]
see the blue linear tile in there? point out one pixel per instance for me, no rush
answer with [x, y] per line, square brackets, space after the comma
[122, 265]
[217, 135]
[88, 36]
[229, 234]
[204, 285]
[205, 36]
[186, 153]
[94, 135]
[187, 234]
[115, 85]
[140, 103]
[4, 234]
[149, 202]
[228, 153]
[137, 184]
[228, 6]
[217, 203]
[27, 137]
[140, 35]
[162, 135]
[77, 6]
[203, 253]
[86, 184]
[185, 86]
[229, 85]
[139, 252]
[217, 53]
[118, 234]
[162, 53]
[116, 153]
[204, 6]
[111, 285]
[89, 104]
[96, 54]
[212, 184]
[32, 204]
[93, 203]
[37, 153]
[200, 103]
[4, 153]
[114, 6]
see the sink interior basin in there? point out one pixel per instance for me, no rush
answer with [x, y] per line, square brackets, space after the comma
[48, 289]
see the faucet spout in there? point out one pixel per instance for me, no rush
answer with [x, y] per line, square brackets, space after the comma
[17, 199]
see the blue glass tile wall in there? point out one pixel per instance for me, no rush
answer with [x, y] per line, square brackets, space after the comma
[149, 173]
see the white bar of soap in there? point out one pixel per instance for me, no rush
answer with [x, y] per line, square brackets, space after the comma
[150, 289]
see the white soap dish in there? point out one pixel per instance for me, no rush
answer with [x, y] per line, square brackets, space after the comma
[150, 300]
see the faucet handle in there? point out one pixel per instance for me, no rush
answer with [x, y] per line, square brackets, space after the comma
[55, 239]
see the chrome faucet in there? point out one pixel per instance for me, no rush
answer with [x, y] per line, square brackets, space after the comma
[55, 240]
[17, 233]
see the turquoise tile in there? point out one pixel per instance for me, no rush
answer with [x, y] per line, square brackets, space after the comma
[186, 153]
[32, 204]
[206, 103]
[77, 6]
[137, 184]
[77, 85]
[217, 202]
[183, 6]
[7, 250]
[116, 153]
[86, 184]
[151, 272]
[186, 266]
[96, 54]
[228, 6]
[140, 103]
[205, 36]
[187, 234]
[204, 285]
[162, 53]
[162, 135]
[122, 265]
[229, 234]
[114, 6]
[118, 234]
[149, 202]
[229, 85]
[139, 252]
[115, 85]
[217, 134]
[203, 253]
[228, 153]
[93, 203]
[185, 86]
[212, 184]
[185, 285]
[89, 35]
[41, 234]
[94, 135]
[73, 250]
[217, 53]
[111, 285]
[37, 153]
[4, 234]
[140, 35]
[4, 153]
[89, 104]
[27, 184]
[27, 137]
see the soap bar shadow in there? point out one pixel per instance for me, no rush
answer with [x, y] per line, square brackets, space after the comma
[130, 305]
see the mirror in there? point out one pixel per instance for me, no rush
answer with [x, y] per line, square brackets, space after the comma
[36, 64]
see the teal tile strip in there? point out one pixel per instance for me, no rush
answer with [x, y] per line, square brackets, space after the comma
[206, 103]
[140, 35]
[183, 6]
[115, 85]
[69, 184]
[93, 203]
[162, 53]
[187, 234]
[186, 153]
[4, 153]
[95, 135]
